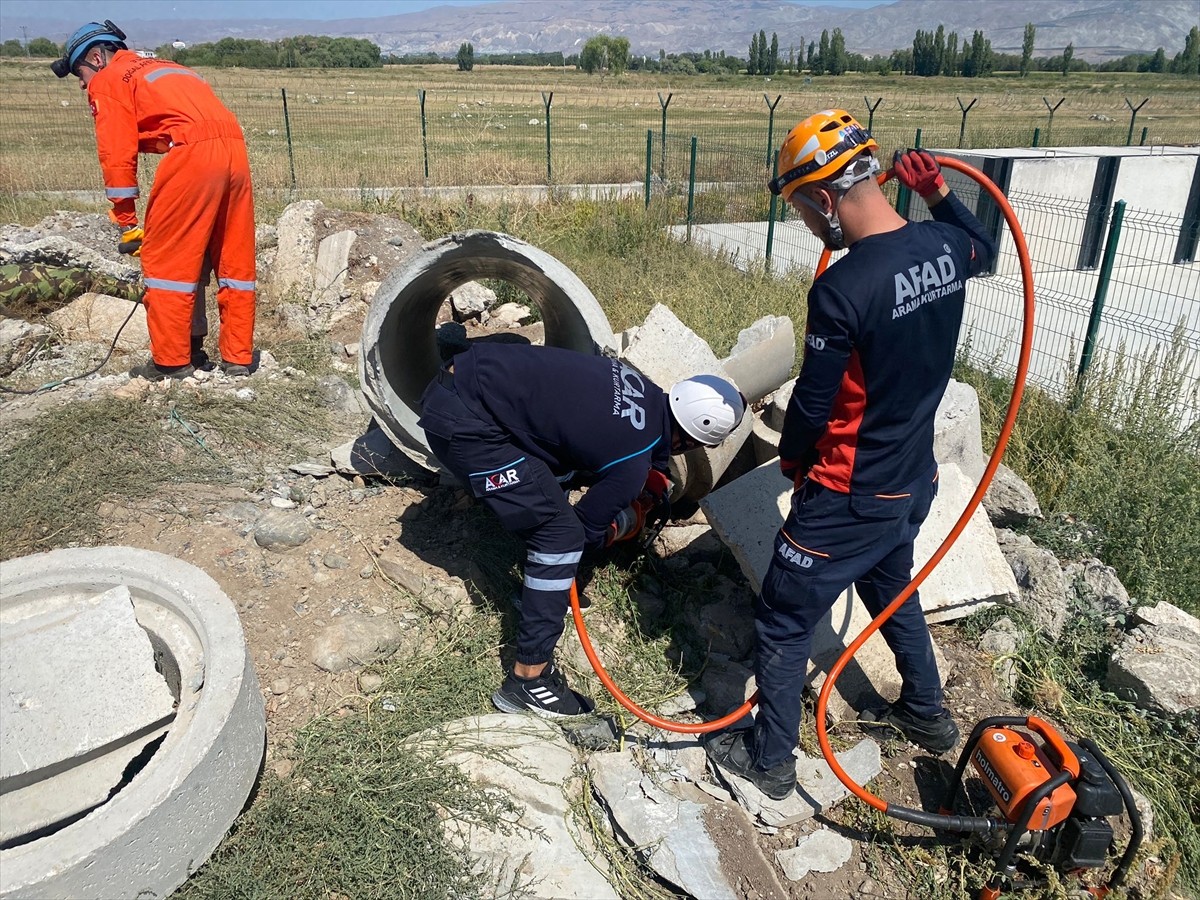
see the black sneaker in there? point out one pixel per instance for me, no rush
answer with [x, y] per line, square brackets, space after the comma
[732, 751]
[937, 735]
[546, 695]
[152, 371]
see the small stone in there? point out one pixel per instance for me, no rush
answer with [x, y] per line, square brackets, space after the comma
[370, 682]
[335, 561]
[280, 686]
[282, 503]
[366, 572]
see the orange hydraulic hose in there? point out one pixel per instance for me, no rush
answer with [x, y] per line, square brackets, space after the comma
[993, 463]
[1010, 419]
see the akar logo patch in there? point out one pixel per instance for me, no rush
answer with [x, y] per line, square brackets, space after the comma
[501, 480]
[94, 108]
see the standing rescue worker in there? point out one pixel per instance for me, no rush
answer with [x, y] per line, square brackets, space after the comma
[510, 420]
[857, 439]
[201, 202]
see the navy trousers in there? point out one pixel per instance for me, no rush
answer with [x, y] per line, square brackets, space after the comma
[829, 541]
[526, 498]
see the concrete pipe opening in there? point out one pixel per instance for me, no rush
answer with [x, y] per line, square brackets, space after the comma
[399, 344]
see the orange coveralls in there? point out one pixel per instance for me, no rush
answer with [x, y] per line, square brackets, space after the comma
[201, 201]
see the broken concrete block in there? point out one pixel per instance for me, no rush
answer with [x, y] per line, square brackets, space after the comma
[817, 788]
[1009, 500]
[765, 440]
[471, 301]
[529, 761]
[666, 351]
[763, 356]
[777, 408]
[670, 832]
[62, 710]
[333, 261]
[821, 851]
[291, 275]
[98, 317]
[957, 434]
[1157, 665]
[974, 574]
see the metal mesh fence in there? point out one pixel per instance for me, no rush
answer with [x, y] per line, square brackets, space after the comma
[1128, 307]
[353, 129]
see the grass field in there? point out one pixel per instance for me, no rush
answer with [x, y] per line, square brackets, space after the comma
[354, 129]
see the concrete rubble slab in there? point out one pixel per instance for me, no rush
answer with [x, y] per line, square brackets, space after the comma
[763, 356]
[957, 434]
[974, 574]
[817, 788]
[765, 439]
[333, 261]
[98, 317]
[529, 761]
[64, 742]
[674, 835]
[777, 408]
[667, 351]
[821, 851]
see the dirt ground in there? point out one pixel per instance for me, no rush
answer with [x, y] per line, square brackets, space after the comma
[361, 531]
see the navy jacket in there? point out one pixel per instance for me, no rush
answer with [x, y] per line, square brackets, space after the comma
[882, 329]
[575, 412]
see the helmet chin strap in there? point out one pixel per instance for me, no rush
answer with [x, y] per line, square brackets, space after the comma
[836, 239]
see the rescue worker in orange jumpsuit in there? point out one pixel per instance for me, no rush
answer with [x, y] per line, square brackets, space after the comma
[200, 204]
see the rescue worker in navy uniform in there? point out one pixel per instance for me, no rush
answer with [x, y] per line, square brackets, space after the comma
[857, 440]
[510, 419]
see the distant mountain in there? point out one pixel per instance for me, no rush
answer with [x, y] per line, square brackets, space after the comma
[1099, 29]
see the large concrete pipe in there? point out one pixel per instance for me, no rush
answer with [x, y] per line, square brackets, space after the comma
[399, 346]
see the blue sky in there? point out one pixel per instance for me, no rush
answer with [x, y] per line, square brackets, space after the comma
[85, 10]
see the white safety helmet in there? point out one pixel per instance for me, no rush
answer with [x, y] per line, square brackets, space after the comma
[707, 408]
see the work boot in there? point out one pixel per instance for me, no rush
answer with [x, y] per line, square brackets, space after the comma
[733, 751]
[200, 360]
[234, 370]
[547, 695]
[937, 735]
[152, 371]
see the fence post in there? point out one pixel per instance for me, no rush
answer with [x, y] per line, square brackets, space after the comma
[287, 129]
[664, 104]
[871, 109]
[1037, 134]
[649, 157]
[902, 193]
[691, 189]
[1129, 137]
[1050, 124]
[771, 216]
[771, 123]
[546, 101]
[424, 141]
[1145, 131]
[962, 129]
[1093, 328]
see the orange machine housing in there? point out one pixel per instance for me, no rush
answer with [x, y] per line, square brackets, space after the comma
[1013, 766]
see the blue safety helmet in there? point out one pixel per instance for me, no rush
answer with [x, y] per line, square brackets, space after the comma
[84, 38]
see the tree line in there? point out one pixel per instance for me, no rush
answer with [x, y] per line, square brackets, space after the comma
[932, 53]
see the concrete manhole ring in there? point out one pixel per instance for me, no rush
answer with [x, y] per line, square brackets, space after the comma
[178, 798]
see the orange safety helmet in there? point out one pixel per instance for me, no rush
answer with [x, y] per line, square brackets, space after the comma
[820, 147]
